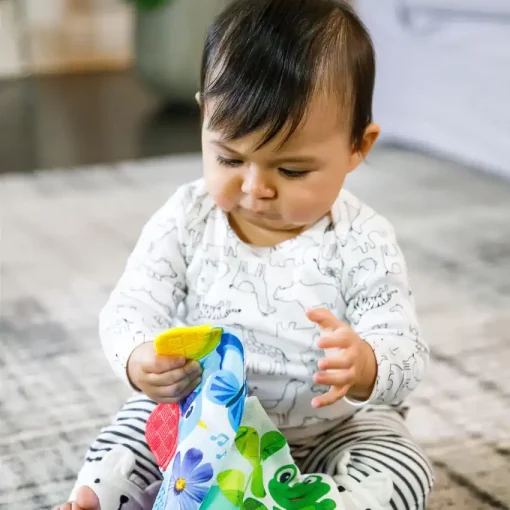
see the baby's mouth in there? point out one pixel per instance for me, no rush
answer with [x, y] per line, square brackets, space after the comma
[261, 214]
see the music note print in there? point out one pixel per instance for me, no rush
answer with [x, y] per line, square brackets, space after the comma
[220, 439]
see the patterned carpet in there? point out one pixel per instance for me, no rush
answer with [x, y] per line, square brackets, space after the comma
[65, 238]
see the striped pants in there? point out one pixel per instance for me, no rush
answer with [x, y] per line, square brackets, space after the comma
[375, 437]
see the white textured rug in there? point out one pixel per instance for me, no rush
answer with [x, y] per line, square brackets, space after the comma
[65, 238]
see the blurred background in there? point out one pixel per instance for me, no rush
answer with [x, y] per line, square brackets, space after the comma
[98, 126]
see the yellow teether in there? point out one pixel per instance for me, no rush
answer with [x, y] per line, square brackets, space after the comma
[194, 342]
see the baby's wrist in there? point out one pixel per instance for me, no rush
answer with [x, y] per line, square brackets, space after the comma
[133, 369]
[131, 377]
[364, 386]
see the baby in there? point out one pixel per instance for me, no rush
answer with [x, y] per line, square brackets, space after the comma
[270, 246]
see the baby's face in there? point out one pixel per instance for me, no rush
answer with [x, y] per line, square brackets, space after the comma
[281, 189]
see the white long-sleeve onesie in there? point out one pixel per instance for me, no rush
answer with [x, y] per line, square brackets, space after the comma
[189, 266]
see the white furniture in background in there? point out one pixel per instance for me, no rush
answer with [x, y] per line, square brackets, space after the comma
[443, 79]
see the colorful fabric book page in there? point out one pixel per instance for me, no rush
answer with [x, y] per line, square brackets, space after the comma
[208, 419]
[260, 474]
[219, 449]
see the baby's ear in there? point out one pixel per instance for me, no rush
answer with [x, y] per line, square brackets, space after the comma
[370, 136]
[197, 99]
[360, 152]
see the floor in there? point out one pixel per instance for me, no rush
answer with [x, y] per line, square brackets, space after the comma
[67, 231]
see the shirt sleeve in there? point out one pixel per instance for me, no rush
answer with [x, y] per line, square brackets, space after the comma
[380, 308]
[145, 300]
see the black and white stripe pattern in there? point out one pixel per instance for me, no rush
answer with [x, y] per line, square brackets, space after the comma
[377, 441]
[128, 429]
[375, 437]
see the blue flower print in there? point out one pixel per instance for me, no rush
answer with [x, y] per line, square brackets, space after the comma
[186, 489]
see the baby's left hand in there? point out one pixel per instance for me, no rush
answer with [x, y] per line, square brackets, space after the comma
[352, 371]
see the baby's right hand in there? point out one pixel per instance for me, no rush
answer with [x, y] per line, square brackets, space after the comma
[165, 379]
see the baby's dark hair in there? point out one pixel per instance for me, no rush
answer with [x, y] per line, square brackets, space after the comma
[264, 60]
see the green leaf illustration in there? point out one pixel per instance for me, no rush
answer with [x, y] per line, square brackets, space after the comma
[235, 497]
[271, 443]
[216, 499]
[247, 442]
[231, 483]
[253, 504]
[257, 483]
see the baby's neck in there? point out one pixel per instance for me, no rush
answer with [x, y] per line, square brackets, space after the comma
[257, 235]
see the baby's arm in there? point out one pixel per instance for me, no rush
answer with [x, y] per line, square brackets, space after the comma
[380, 308]
[146, 298]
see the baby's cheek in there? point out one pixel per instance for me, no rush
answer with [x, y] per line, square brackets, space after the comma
[224, 201]
[306, 211]
[224, 193]
[314, 203]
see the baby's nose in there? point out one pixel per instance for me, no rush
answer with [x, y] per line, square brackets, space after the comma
[257, 185]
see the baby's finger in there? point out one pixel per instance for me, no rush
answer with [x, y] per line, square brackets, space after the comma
[191, 387]
[330, 397]
[342, 361]
[161, 364]
[189, 371]
[324, 318]
[335, 340]
[334, 378]
[178, 391]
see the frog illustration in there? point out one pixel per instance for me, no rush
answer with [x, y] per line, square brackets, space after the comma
[303, 495]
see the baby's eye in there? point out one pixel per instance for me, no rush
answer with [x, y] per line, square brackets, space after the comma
[228, 161]
[293, 174]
